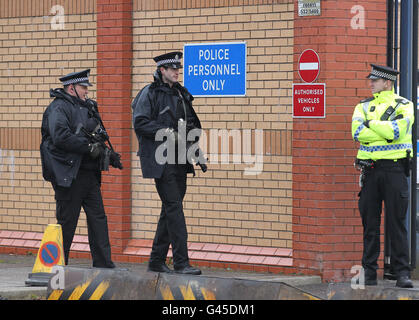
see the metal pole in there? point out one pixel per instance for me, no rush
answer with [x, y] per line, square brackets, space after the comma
[406, 77]
[388, 274]
[396, 41]
[390, 37]
[413, 202]
[406, 48]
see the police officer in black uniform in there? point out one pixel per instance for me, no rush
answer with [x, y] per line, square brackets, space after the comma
[71, 161]
[159, 110]
[382, 125]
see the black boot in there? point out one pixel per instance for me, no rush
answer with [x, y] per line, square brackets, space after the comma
[370, 278]
[404, 282]
[159, 268]
[188, 270]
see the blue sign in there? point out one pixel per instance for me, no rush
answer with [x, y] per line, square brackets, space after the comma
[215, 69]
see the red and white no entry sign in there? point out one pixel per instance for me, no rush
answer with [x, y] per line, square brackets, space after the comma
[309, 65]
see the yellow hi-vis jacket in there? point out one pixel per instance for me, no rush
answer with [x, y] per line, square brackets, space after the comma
[383, 139]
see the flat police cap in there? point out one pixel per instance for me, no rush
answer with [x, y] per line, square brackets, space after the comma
[171, 59]
[81, 78]
[382, 72]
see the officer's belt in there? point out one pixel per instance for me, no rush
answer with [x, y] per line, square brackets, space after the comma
[369, 164]
[388, 162]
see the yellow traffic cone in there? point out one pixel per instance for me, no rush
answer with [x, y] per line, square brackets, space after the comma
[50, 253]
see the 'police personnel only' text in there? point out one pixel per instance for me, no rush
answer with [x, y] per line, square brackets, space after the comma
[215, 69]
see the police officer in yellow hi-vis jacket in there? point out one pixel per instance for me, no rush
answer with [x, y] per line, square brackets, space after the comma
[382, 125]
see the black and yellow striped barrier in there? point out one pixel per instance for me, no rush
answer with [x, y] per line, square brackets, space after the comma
[82, 286]
[77, 283]
[95, 287]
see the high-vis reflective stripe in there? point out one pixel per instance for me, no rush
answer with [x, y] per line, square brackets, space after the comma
[386, 147]
[361, 126]
[358, 131]
[408, 128]
[365, 107]
[395, 129]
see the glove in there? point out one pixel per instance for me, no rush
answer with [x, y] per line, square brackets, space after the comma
[115, 160]
[95, 150]
[92, 125]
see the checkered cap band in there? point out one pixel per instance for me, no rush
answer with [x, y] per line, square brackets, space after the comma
[75, 80]
[384, 75]
[168, 61]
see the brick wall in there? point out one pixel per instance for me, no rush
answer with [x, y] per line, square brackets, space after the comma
[33, 56]
[299, 215]
[224, 205]
[114, 59]
[327, 235]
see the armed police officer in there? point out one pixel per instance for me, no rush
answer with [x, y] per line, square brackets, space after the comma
[382, 125]
[73, 153]
[163, 109]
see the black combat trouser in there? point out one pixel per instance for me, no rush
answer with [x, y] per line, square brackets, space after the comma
[171, 228]
[385, 182]
[84, 192]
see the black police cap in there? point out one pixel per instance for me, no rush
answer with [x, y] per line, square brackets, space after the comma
[81, 78]
[171, 59]
[382, 72]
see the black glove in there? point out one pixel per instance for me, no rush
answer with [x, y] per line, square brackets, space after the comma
[96, 150]
[115, 160]
[92, 125]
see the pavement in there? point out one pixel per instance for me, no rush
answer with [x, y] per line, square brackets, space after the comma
[14, 270]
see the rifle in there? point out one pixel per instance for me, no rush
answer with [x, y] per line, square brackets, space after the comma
[203, 166]
[109, 156]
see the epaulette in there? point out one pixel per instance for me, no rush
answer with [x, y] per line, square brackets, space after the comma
[367, 100]
[402, 100]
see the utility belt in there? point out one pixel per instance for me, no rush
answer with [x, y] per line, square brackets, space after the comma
[368, 164]
[365, 165]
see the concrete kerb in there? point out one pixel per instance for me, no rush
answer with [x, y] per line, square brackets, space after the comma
[122, 284]
[385, 290]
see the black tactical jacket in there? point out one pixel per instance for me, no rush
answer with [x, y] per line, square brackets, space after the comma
[150, 114]
[62, 147]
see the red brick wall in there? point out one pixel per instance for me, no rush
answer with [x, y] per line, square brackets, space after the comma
[327, 229]
[114, 59]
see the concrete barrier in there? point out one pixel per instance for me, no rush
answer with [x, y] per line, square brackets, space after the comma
[76, 283]
[383, 291]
